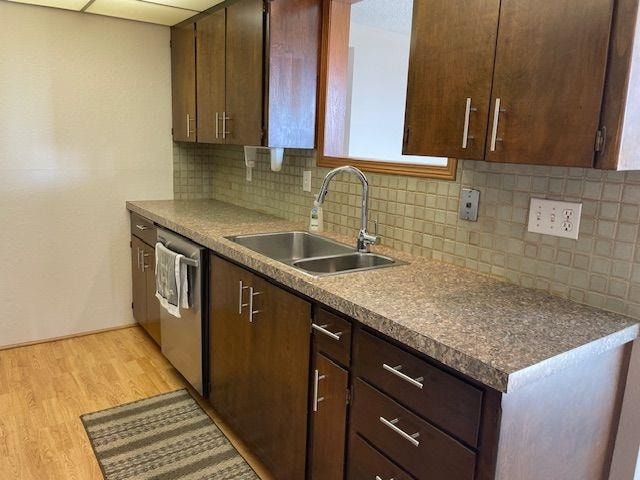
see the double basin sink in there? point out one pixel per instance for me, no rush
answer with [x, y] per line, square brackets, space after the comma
[313, 254]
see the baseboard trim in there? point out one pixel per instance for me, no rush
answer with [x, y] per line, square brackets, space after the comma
[66, 337]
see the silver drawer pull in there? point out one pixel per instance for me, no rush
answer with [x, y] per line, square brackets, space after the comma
[465, 132]
[392, 425]
[378, 477]
[252, 312]
[416, 382]
[316, 388]
[323, 329]
[496, 118]
[240, 304]
[141, 227]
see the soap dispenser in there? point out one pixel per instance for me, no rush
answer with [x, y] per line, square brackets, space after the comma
[315, 218]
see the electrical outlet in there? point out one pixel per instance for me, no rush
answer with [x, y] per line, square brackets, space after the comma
[306, 181]
[469, 202]
[551, 217]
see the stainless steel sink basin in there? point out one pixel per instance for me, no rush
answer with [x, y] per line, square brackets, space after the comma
[349, 262]
[288, 247]
[313, 254]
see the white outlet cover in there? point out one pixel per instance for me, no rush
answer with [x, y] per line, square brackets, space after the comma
[553, 217]
[306, 181]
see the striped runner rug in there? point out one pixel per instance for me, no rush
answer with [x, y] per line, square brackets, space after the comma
[167, 437]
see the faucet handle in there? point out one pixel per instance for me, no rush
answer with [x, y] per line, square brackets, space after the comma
[369, 239]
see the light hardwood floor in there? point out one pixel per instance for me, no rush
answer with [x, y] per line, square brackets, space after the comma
[45, 388]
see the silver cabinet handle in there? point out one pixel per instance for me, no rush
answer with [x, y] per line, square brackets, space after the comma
[138, 257]
[316, 387]
[240, 304]
[417, 382]
[189, 120]
[465, 132]
[496, 119]
[378, 477]
[142, 227]
[392, 425]
[323, 329]
[217, 128]
[144, 265]
[252, 312]
[224, 125]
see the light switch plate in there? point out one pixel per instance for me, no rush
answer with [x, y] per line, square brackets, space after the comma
[469, 202]
[306, 181]
[552, 217]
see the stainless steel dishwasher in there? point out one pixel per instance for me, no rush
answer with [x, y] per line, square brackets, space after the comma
[185, 339]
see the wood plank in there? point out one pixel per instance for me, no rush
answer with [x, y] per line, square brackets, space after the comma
[42, 437]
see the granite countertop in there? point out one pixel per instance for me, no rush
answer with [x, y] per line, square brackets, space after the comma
[500, 334]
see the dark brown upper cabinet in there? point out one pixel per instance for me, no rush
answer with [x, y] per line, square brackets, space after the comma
[559, 76]
[548, 81]
[210, 79]
[449, 83]
[257, 68]
[620, 121]
[183, 83]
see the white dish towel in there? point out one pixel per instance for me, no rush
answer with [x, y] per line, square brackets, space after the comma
[172, 286]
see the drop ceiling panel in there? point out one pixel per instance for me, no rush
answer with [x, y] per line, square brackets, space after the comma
[141, 11]
[66, 4]
[199, 5]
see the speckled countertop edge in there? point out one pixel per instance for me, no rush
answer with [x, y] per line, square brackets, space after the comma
[495, 352]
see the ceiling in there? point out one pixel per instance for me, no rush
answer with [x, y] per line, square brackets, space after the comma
[162, 12]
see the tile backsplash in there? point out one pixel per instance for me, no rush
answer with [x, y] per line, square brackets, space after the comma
[601, 268]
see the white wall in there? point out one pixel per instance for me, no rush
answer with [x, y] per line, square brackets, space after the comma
[626, 462]
[85, 119]
[378, 95]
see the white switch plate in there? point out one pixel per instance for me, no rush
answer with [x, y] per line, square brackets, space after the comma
[552, 217]
[306, 181]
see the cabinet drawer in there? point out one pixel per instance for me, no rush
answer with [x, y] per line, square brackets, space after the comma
[446, 401]
[418, 447]
[332, 336]
[144, 229]
[366, 463]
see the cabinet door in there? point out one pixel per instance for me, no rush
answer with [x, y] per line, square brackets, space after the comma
[138, 281]
[280, 379]
[152, 321]
[244, 75]
[450, 75]
[549, 76]
[183, 83]
[329, 419]
[232, 394]
[210, 48]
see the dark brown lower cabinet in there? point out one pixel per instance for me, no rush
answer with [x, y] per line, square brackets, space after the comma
[405, 415]
[260, 344]
[138, 281]
[367, 463]
[146, 308]
[330, 385]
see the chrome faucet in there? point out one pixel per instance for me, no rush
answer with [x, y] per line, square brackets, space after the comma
[365, 239]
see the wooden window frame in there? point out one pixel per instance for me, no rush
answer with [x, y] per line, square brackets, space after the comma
[447, 172]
